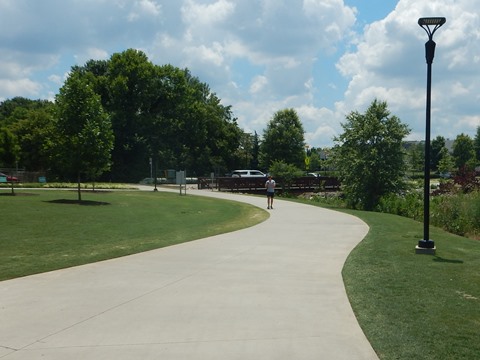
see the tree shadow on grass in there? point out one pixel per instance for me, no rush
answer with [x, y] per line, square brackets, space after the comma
[77, 202]
[17, 194]
[450, 261]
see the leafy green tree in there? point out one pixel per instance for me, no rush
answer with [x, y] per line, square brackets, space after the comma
[245, 150]
[84, 139]
[33, 132]
[369, 156]
[17, 108]
[9, 149]
[30, 121]
[283, 140]
[416, 157]
[476, 141]
[164, 113]
[446, 163]
[129, 82]
[255, 151]
[464, 152]
[285, 173]
[315, 160]
[188, 127]
[435, 149]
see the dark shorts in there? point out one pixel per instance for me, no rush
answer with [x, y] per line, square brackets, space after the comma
[270, 194]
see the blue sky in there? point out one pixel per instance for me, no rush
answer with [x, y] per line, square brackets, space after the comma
[324, 58]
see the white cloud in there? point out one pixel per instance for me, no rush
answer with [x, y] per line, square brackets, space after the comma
[25, 87]
[56, 79]
[258, 84]
[389, 64]
[320, 124]
[198, 15]
[91, 53]
[204, 54]
[261, 56]
[144, 8]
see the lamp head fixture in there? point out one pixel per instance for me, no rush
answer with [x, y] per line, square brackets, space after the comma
[426, 22]
[432, 21]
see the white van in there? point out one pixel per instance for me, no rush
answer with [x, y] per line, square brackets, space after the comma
[248, 173]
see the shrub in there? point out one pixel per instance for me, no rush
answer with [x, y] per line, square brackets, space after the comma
[456, 212]
[409, 205]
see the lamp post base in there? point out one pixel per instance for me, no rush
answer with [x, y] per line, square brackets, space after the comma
[425, 247]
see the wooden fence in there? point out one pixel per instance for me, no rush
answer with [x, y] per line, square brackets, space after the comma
[255, 185]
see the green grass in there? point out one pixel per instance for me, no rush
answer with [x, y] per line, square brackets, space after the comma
[47, 230]
[414, 306]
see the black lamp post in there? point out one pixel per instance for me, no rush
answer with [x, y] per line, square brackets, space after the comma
[430, 25]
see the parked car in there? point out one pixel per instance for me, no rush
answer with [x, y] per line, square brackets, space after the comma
[248, 173]
[9, 178]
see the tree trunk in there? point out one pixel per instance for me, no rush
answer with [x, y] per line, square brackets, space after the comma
[78, 188]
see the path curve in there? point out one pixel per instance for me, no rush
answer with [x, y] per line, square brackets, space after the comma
[271, 292]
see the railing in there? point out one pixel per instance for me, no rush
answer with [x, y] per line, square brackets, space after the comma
[254, 184]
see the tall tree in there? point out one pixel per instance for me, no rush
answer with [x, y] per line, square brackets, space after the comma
[369, 155]
[255, 151]
[476, 145]
[30, 121]
[416, 157]
[9, 149]
[129, 82]
[33, 131]
[84, 138]
[464, 152]
[315, 160]
[446, 163]
[245, 150]
[163, 113]
[435, 151]
[12, 110]
[283, 140]
[188, 127]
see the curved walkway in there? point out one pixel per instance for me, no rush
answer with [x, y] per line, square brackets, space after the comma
[271, 292]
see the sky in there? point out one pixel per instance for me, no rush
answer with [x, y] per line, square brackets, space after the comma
[323, 58]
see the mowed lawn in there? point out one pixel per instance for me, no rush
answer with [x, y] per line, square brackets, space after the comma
[413, 306]
[45, 230]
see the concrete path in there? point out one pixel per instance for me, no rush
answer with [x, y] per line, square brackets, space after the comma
[270, 292]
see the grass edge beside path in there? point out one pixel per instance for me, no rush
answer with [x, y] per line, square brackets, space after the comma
[413, 306]
[48, 230]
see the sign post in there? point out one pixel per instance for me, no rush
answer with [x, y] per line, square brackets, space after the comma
[182, 181]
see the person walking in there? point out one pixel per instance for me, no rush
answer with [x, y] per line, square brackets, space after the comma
[270, 186]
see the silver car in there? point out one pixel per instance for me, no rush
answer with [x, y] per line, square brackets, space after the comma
[248, 173]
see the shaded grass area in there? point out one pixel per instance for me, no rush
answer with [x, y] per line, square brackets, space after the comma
[48, 230]
[415, 306]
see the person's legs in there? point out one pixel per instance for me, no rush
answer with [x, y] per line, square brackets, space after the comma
[269, 200]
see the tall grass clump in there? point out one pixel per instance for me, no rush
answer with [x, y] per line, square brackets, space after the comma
[328, 200]
[457, 213]
[408, 205]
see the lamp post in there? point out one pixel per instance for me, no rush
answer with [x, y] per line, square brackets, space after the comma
[430, 25]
